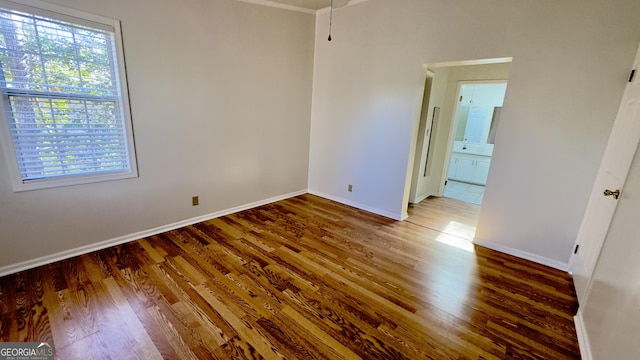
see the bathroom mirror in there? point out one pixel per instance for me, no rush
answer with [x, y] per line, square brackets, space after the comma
[478, 111]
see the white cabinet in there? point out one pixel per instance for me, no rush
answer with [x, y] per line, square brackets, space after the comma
[469, 168]
[481, 171]
[453, 166]
[465, 169]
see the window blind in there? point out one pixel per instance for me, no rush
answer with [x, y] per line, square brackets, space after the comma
[61, 92]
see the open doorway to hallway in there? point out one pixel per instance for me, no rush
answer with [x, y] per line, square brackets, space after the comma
[455, 143]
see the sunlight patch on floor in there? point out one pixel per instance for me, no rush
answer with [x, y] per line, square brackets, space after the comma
[458, 235]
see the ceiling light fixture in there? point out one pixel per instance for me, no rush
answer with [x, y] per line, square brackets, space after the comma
[334, 5]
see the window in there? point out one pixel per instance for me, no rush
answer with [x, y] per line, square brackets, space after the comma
[66, 117]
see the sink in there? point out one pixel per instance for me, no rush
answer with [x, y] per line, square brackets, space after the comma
[473, 148]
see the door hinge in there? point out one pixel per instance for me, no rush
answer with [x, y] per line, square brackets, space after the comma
[446, 182]
[576, 249]
[633, 73]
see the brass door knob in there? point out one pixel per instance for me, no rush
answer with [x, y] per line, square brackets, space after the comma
[615, 193]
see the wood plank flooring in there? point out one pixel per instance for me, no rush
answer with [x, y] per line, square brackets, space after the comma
[303, 278]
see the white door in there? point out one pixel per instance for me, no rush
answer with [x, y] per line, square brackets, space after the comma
[614, 168]
[611, 315]
[433, 184]
[426, 126]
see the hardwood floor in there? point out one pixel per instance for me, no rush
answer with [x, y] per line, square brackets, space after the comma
[449, 216]
[303, 278]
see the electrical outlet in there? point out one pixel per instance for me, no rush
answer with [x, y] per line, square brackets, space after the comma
[195, 201]
[350, 188]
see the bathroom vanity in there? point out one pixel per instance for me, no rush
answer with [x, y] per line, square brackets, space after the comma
[470, 162]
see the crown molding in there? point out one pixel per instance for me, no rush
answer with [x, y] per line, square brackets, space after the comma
[280, 6]
[351, 3]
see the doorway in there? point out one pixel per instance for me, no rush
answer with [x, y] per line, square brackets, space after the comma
[435, 129]
[435, 139]
[476, 118]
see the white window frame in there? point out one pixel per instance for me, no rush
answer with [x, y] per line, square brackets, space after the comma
[57, 12]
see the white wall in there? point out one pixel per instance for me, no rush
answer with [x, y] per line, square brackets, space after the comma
[571, 61]
[221, 99]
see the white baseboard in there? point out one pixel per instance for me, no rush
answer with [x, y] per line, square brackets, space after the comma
[420, 198]
[370, 209]
[583, 338]
[48, 259]
[524, 255]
